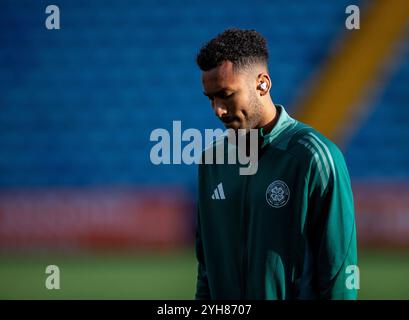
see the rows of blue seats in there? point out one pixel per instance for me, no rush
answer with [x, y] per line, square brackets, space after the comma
[380, 147]
[77, 105]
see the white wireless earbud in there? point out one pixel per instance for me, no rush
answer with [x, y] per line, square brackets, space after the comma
[263, 86]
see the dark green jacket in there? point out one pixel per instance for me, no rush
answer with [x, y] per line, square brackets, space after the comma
[286, 232]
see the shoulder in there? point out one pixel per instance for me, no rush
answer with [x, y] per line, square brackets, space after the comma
[307, 143]
[317, 154]
[211, 152]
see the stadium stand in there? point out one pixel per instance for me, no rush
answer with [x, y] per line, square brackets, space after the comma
[78, 104]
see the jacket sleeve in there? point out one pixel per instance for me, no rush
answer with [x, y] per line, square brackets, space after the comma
[332, 232]
[202, 284]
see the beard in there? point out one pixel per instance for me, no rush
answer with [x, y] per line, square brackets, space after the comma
[253, 116]
[251, 119]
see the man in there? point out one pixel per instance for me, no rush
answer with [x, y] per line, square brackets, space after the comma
[287, 231]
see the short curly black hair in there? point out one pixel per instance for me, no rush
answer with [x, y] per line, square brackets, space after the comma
[241, 47]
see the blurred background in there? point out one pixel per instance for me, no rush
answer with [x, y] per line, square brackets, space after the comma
[78, 104]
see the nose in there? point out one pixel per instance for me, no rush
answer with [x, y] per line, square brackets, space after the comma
[219, 108]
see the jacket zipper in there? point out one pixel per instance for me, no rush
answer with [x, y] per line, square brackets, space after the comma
[245, 214]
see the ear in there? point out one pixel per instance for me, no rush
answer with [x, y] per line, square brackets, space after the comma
[263, 84]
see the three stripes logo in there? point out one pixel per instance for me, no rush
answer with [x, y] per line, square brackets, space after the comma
[322, 156]
[218, 193]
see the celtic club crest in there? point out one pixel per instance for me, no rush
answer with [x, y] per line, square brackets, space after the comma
[277, 194]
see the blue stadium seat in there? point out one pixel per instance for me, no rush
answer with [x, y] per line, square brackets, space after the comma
[77, 105]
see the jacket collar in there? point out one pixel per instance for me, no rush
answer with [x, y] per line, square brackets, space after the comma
[284, 121]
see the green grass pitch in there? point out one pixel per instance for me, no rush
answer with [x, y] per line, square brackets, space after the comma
[170, 275]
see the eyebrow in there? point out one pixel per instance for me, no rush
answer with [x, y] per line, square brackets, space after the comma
[216, 93]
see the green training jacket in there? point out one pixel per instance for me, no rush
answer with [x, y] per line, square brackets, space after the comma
[286, 232]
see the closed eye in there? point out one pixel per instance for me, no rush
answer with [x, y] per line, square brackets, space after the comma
[221, 95]
[225, 95]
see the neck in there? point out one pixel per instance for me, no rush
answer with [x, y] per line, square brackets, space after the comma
[269, 117]
[268, 120]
